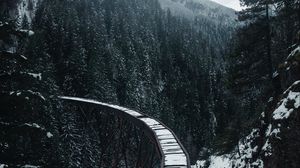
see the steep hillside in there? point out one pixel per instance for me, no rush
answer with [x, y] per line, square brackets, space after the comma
[131, 53]
[193, 9]
[274, 140]
[274, 143]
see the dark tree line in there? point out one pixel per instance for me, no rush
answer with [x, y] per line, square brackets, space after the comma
[26, 121]
[268, 33]
[130, 53]
[134, 54]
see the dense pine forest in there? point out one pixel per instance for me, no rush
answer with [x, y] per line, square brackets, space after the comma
[224, 81]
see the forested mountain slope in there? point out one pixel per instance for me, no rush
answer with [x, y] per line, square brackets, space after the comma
[274, 140]
[132, 53]
[193, 9]
[264, 80]
[230, 93]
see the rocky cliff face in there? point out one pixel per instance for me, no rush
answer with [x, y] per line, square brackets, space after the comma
[277, 140]
[274, 140]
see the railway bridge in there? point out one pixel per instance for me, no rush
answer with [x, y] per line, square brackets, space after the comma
[168, 150]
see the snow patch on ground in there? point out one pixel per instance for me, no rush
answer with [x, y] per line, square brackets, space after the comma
[49, 135]
[275, 74]
[275, 132]
[267, 148]
[3, 165]
[214, 161]
[283, 112]
[246, 151]
[295, 83]
[33, 125]
[238, 159]
[219, 162]
[37, 76]
[199, 164]
[27, 32]
[270, 99]
[269, 129]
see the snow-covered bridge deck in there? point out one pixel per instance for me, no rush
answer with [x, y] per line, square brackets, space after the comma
[171, 151]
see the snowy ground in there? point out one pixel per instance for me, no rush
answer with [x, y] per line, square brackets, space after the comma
[222, 161]
[248, 146]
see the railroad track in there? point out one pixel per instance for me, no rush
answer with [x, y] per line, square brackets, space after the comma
[169, 148]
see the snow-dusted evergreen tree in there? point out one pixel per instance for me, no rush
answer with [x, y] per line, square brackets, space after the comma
[133, 53]
[25, 119]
